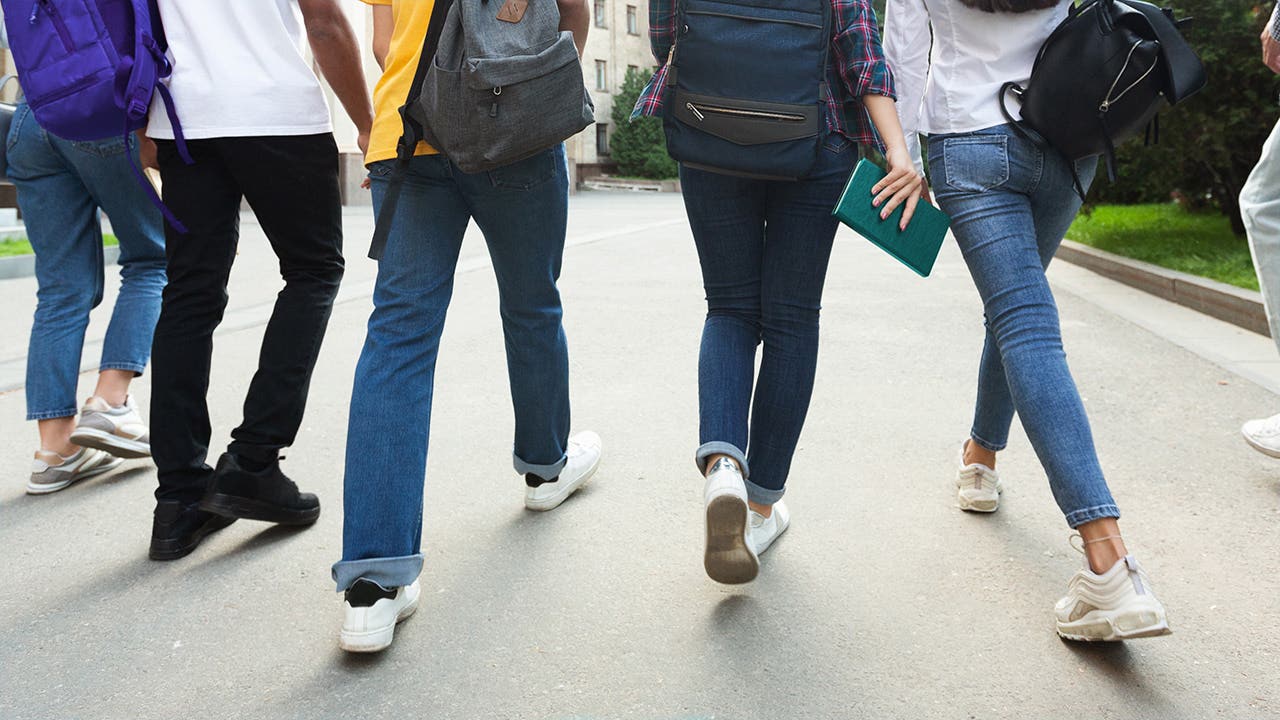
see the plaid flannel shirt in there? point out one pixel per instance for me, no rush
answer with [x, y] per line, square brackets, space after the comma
[1275, 23]
[857, 68]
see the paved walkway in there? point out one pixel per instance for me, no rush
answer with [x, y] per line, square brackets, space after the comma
[883, 601]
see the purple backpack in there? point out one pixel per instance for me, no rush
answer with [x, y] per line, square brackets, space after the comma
[89, 69]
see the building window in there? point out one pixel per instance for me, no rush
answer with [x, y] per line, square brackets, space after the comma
[633, 21]
[602, 75]
[632, 69]
[600, 13]
[602, 138]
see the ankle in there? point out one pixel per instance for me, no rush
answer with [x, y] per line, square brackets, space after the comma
[764, 511]
[975, 454]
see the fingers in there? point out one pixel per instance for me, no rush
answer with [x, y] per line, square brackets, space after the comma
[902, 185]
[910, 211]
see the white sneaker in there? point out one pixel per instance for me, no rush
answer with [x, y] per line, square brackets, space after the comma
[117, 430]
[583, 457]
[371, 627]
[730, 556]
[977, 486]
[50, 472]
[1117, 605]
[1263, 435]
[764, 530]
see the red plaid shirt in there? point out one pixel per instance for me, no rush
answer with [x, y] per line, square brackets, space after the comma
[858, 66]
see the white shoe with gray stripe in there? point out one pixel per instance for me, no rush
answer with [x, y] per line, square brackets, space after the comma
[51, 472]
[117, 430]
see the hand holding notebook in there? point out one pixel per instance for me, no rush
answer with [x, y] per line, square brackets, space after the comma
[917, 246]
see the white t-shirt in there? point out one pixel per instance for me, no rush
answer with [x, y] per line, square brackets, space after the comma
[239, 71]
[954, 86]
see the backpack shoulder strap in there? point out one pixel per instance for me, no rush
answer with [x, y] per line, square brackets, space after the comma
[413, 131]
[1185, 71]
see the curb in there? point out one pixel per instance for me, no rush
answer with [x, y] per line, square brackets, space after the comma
[22, 266]
[1240, 307]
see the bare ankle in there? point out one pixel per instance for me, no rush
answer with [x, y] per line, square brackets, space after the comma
[975, 454]
[763, 510]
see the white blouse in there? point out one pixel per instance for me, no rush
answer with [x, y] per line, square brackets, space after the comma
[954, 87]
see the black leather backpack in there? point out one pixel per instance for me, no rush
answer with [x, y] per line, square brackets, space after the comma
[1103, 75]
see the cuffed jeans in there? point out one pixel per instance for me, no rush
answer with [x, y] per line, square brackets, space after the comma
[1011, 201]
[522, 209]
[61, 187]
[764, 246]
[1260, 209]
[291, 182]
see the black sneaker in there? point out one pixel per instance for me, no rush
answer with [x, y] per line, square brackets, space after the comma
[266, 494]
[177, 528]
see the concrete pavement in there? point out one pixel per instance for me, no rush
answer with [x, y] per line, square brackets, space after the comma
[882, 601]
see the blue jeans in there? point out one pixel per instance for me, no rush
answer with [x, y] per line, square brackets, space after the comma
[1011, 202]
[61, 187]
[764, 246]
[522, 209]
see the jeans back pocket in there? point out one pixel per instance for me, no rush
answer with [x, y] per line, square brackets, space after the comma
[975, 163]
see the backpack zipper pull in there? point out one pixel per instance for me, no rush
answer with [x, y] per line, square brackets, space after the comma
[695, 112]
[35, 10]
[493, 109]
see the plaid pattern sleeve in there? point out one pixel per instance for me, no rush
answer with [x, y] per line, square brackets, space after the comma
[1275, 23]
[662, 37]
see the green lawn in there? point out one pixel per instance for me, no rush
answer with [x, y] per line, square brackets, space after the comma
[1166, 235]
[20, 246]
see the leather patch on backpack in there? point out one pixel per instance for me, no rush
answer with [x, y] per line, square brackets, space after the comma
[513, 11]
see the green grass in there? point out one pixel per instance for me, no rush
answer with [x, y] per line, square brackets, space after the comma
[1166, 235]
[20, 246]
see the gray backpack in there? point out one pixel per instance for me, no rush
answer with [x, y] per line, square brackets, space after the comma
[498, 82]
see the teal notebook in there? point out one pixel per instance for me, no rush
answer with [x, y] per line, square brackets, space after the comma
[916, 247]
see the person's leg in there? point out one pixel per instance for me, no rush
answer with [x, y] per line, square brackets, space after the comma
[727, 217]
[206, 198]
[987, 183]
[390, 415]
[1260, 210]
[993, 410]
[292, 185]
[109, 420]
[523, 211]
[62, 225]
[799, 234]
[104, 167]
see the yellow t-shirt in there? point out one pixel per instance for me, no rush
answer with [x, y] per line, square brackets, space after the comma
[411, 19]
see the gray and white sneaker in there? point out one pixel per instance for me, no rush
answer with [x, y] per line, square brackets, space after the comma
[51, 472]
[582, 459]
[764, 530]
[978, 487]
[117, 430]
[1116, 605]
[730, 556]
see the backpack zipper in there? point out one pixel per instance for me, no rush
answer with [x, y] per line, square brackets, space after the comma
[698, 110]
[59, 25]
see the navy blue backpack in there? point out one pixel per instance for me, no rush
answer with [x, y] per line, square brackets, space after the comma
[746, 86]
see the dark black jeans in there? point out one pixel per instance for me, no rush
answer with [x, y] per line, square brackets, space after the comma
[291, 183]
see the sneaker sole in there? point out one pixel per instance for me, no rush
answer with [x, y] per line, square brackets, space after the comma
[1111, 627]
[555, 501]
[167, 550]
[113, 444]
[240, 508]
[371, 641]
[43, 489]
[1260, 447]
[729, 559]
[984, 505]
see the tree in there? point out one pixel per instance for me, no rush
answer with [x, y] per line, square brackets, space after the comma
[1209, 144]
[639, 146]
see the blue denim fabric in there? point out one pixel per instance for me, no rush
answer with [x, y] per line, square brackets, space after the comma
[522, 210]
[1010, 203]
[61, 187]
[764, 247]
